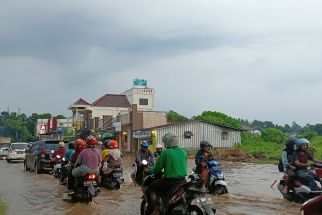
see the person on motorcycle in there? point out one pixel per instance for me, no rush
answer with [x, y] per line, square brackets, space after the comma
[143, 154]
[79, 146]
[70, 151]
[301, 157]
[173, 161]
[113, 159]
[158, 150]
[287, 160]
[203, 156]
[88, 159]
[59, 153]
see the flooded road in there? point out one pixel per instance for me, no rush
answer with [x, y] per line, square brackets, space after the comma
[248, 184]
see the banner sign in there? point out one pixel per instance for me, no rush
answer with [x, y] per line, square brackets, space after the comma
[140, 83]
[141, 134]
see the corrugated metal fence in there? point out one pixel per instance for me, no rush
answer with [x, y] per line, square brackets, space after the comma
[201, 131]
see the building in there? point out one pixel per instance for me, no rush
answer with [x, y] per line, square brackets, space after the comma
[117, 115]
[54, 128]
[191, 133]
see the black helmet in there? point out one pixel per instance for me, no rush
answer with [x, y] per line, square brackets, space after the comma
[290, 142]
[204, 143]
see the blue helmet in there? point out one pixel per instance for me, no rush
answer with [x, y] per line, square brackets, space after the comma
[144, 144]
[300, 142]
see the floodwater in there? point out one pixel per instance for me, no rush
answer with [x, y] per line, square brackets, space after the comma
[249, 186]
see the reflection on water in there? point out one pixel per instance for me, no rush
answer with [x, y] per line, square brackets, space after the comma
[249, 186]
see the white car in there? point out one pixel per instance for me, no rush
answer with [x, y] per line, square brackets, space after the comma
[3, 152]
[17, 151]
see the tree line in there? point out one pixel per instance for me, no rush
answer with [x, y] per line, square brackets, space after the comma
[21, 127]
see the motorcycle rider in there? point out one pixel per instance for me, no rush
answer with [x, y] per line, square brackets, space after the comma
[301, 162]
[79, 146]
[143, 154]
[59, 151]
[70, 151]
[113, 159]
[173, 161]
[287, 160]
[202, 157]
[89, 159]
[158, 150]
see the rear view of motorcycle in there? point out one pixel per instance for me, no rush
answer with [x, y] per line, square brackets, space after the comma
[85, 189]
[113, 179]
[181, 200]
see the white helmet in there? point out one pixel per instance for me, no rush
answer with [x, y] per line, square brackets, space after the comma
[61, 144]
[158, 146]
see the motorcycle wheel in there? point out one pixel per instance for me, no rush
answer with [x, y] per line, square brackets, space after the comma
[194, 210]
[144, 207]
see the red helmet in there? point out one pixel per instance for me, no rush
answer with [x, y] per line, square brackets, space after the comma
[91, 141]
[113, 144]
[79, 144]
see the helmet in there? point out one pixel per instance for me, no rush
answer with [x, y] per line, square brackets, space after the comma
[80, 144]
[113, 144]
[290, 142]
[91, 141]
[144, 144]
[204, 143]
[170, 140]
[158, 146]
[100, 143]
[300, 142]
[61, 145]
[71, 145]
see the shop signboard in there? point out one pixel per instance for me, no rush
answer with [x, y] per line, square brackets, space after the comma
[140, 83]
[141, 134]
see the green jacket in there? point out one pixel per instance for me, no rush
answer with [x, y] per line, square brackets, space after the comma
[173, 161]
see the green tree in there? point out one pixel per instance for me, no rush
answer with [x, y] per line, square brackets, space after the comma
[273, 135]
[60, 117]
[173, 116]
[219, 118]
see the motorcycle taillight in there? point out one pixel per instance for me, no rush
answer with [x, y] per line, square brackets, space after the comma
[319, 172]
[91, 176]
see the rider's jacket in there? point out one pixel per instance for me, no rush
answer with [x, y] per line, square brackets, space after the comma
[173, 161]
[287, 159]
[200, 157]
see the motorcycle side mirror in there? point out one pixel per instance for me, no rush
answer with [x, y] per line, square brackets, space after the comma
[144, 162]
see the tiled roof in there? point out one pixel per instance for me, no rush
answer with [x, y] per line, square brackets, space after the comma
[81, 102]
[112, 100]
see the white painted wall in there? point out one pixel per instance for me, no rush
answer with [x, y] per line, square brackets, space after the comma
[134, 95]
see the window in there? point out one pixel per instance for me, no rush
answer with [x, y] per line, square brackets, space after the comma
[188, 134]
[224, 135]
[143, 102]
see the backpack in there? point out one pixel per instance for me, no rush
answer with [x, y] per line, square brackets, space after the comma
[280, 165]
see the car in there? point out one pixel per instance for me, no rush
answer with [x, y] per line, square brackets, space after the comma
[3, 152]
[16, 151]
[38, 155]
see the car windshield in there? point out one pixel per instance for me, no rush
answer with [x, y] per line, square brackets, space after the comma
[19, 146]
[51, 146]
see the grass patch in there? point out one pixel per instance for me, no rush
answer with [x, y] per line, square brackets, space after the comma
[3, 208]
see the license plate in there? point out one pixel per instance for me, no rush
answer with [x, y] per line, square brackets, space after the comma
[89, 183]
[117, 174]
[205, 201]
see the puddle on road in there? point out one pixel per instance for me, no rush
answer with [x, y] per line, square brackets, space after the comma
[248, 184]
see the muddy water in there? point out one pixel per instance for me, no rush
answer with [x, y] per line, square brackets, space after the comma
[248, 184]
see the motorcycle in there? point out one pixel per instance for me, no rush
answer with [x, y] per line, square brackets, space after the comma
[138, 174]
[182, 199]
[312, 206]
[112, 179]
[85, 189]
[217, 184]
[57, 166]
[300, 193]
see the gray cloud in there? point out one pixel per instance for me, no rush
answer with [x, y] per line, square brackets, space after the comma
[246, 59]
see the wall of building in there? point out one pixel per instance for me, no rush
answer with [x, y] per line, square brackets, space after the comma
[201, 131]
[135, 94]
[153, 119]
[107, 111]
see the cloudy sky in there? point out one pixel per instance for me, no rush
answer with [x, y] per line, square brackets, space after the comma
[250, 59]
